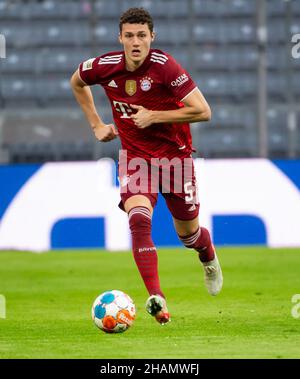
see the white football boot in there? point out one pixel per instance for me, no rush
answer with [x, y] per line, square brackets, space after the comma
[213, 277]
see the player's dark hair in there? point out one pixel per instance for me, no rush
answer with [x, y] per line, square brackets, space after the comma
[136, 16]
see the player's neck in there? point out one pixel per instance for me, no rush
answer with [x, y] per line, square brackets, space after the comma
[131, 65]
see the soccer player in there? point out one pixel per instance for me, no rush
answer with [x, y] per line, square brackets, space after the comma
[153, 100]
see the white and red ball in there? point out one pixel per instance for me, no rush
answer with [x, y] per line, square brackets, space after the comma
[113, 311]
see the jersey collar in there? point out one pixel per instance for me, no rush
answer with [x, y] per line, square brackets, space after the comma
[143, 66]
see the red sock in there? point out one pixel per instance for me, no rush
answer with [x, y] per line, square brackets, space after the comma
[144, 251]
[201, 242]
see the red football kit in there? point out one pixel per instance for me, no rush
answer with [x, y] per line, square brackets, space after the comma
[160, 83]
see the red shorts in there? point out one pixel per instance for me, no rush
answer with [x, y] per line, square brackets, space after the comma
[174, 179]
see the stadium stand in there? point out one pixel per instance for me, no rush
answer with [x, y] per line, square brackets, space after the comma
[216, 40]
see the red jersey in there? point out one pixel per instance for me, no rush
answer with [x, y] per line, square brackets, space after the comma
[160, 83]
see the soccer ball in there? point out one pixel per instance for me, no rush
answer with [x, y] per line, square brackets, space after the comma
[113, 311]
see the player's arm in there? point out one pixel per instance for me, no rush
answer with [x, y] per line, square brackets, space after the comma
[195, 109]
[83, 94]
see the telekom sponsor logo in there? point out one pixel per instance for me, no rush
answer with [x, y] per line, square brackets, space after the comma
[123, 108]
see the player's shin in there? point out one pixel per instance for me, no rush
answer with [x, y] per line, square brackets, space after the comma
[201, 242]
[144, 251]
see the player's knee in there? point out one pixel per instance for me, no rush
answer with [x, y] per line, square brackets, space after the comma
[139, 220]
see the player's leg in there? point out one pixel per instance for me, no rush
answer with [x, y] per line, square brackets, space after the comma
[184, 207]
[139, 210]
[194, 236]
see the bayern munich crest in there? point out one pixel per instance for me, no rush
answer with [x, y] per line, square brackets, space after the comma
[146, 83]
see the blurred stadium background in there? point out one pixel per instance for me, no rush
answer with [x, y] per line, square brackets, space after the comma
[238, 51]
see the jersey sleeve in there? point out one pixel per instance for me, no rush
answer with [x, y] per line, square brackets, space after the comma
[89, 71]
[177, 79]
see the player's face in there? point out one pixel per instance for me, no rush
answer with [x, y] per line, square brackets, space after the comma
[136, 39]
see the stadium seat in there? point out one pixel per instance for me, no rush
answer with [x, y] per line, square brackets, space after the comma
[277, 86]
[211, 85]
[296, 8]
[276, 58]
[278, 143]
[63, 9]
[225, 58]
[62, 59]
[232, 117]
[241, 31]
[276, 31]
[222, 143]
[181, 56]
[39, 60]
[295, 26]
[105, 33]
[239, 8]
[45, 33]
[295, 82]
[159, 9]
[276, 7]
[167, 32]
[19, 62]
[233, 31]
[215, 8]
[208, 58]
[106, 9]
[19, 88]
[165, 9]
[207, 8]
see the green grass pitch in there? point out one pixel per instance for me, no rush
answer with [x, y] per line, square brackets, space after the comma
[49, 298]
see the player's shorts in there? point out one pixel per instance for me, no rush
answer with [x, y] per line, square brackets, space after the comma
[174, 179]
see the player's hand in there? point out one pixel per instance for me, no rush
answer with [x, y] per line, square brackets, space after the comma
[143, 117]
[105, 132]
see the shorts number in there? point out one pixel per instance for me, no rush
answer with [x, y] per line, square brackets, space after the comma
[188, 191]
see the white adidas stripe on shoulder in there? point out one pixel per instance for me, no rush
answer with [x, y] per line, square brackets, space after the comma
[111, 59]
[161, 56]
[109, 62]
[158, 58]
[157, 61]
[112, 56]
